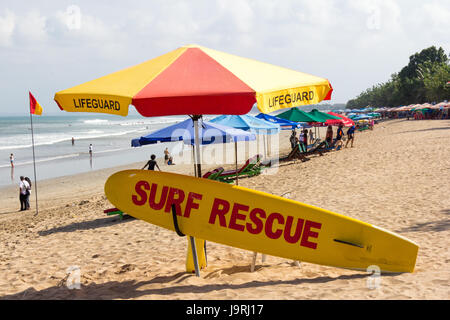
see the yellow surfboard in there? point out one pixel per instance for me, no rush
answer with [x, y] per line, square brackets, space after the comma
[257, 221]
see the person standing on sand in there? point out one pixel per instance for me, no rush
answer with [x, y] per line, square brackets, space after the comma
[27, 197]
[73, 141]
[293, 139]
[23, 187]
[350, 135]
[166, 155]
[339, 135]
[339, 132]
[329, 136]
[11, 159]
[311, 136]
[151, 163]
[305, 139]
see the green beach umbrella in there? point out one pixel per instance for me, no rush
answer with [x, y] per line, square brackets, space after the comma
[322, 115]
[298, 115]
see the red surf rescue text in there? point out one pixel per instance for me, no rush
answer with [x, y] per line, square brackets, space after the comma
[232, 215]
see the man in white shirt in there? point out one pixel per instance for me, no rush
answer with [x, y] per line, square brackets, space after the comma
[23, 187]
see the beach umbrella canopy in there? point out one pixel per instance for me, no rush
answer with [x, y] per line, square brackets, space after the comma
[247, 123]
[184, 131]
[346, 122]
[297, 115]
[196, 80]
[361, 117]
[283, 123]
[441, 105]
[323, 116]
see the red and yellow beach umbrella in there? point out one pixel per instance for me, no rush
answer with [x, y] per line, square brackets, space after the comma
[196, 80]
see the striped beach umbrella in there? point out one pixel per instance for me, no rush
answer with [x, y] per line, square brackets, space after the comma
[196, 80]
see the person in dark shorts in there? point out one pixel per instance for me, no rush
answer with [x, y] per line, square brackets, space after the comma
[339, 135]
[293, 139]
[329, 136]
[350, 135]
[23, 188]
[151, 163]
[166, 155]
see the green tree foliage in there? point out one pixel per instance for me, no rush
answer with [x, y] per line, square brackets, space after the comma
[435, 79]
[422, 80]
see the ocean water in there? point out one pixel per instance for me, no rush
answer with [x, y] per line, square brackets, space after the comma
[55, 155]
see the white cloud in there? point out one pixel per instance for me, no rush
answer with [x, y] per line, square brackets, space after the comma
[31, 27]
[438, 17]
[7, 25]
[237, 12]
[84, 27]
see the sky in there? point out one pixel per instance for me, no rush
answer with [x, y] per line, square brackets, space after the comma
[48, 46]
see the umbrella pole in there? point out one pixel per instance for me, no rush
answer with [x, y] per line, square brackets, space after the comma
[193, 160]
[197, 146]
[199, 174]
[265, 150]
[235, 158]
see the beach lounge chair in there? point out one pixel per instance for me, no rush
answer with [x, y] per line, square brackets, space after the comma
[213, 174]
[251, 168]
[363, 128]
[114, 211]
[297, 153]
[328, 147]
[319, 148]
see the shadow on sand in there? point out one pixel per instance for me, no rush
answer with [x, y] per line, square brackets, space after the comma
[433, 226]
[134, 289]
[87, 225]
[429, 129]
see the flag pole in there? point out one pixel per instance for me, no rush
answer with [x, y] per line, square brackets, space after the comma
[34, 161]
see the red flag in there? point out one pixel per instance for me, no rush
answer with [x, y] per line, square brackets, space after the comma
[35, 107]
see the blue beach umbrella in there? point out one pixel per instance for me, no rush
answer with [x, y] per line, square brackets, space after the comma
[208, 133]
[284, 124]
[247, 123]
[361, 117]
[184, 131]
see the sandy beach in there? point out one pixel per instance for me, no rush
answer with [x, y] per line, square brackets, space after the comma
[396, 177]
